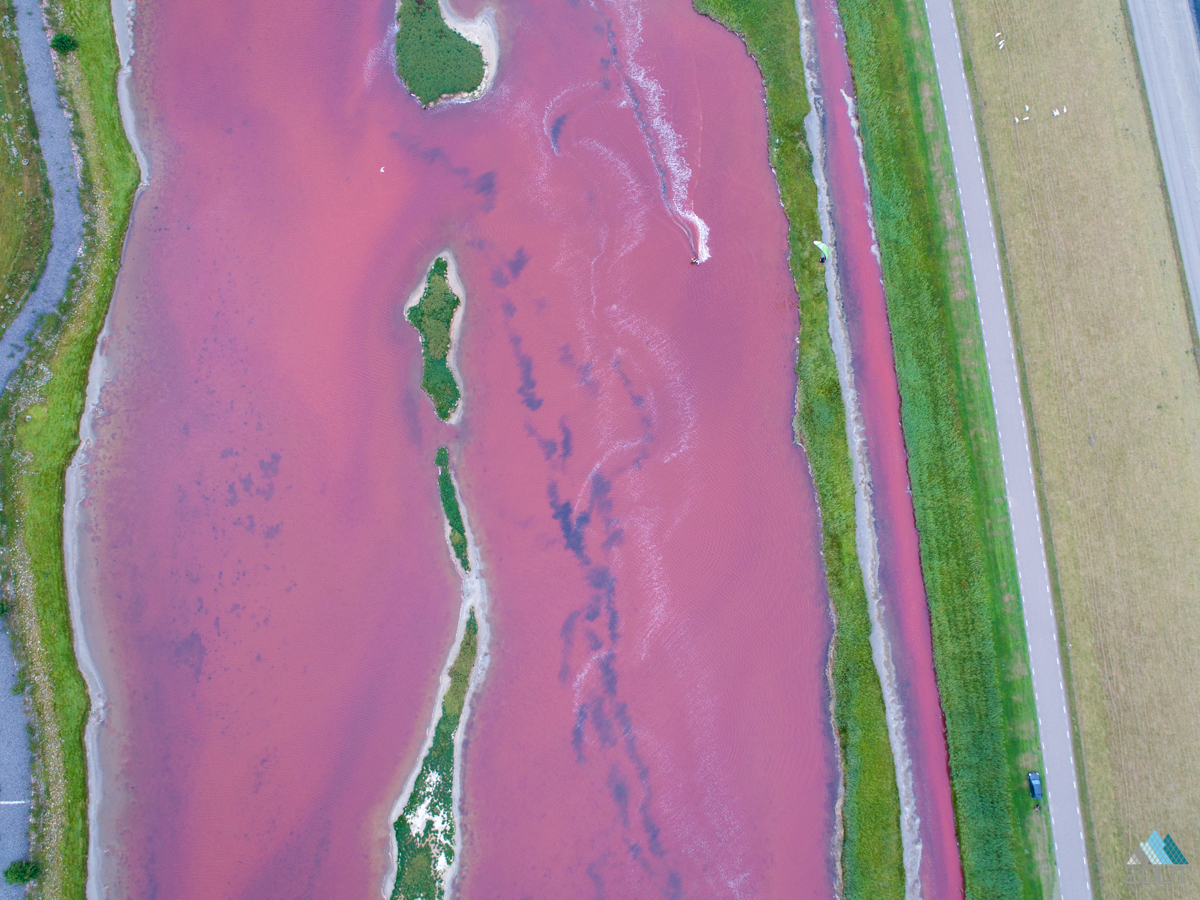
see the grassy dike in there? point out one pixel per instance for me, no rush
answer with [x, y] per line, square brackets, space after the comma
[954, 462]
[433, 317]
[871, 853]
[25, 215]
[425, 830]
[39, 432]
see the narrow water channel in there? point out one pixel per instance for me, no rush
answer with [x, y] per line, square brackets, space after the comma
[888, 541]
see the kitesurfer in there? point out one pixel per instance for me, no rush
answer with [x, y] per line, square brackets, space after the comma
[823, 249]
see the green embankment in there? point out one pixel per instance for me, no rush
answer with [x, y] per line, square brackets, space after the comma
[425, 830]
[434, 60]
[954, 462]
[432, 318]
[39, 432]
[458, 534]
[25, 216]
[871, 854]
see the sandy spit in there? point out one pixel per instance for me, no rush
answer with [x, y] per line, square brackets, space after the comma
[866, 538]
[474, 597]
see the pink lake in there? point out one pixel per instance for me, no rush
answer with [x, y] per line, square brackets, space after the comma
[270, 598]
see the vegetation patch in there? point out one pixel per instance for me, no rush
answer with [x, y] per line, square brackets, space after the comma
[434, 60]
[425, 830]
[22, 871]
[458, 534]
[64, 43]
[25, 214]
[953, 454]
[432, 318]
[39, 433]
[872, 857]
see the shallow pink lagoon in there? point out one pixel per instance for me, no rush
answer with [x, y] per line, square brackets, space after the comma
[272, 599]
[905, 606]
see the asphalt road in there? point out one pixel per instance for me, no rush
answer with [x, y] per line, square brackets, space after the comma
[1169, 54]
[1054, 720]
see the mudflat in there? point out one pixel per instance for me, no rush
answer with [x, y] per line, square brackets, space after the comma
[1109, 360]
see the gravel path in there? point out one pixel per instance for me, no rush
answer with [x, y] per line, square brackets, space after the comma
[66, 239]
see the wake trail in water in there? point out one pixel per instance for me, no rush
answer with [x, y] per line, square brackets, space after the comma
[663, 142]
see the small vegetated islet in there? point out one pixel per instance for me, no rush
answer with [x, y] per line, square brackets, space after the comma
[432, 59]
[425, 830]
[962, 569]
[458, 534]
[25, 214]
[432, 318]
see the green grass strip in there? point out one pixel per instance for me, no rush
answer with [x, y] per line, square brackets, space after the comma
[425, 830]
[25, 215]
[949, 430]
[458, 534]
[434, 60]
[39, 432]
[872, 861]
[432, 318]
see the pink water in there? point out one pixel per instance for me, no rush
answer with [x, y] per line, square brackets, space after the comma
[272, 599]
[905, 608]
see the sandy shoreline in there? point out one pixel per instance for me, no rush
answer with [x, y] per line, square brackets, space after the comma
[482, 32]
[73, 527]
[74, 519]
[474, 597]
[866, 538]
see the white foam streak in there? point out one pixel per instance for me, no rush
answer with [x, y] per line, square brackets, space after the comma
[667, 141]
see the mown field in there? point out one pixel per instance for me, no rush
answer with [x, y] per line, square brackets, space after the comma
[39, 432]
[954, 464]
[871, 854]
[1110, 370]
[24, 191]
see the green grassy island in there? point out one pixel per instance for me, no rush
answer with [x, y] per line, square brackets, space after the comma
[25, 215]
[434, 60]
[458, 534]
[425, 830]
[432, 317]
[872, 856]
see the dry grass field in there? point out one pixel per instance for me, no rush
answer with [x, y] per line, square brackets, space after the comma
[1111, 370]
